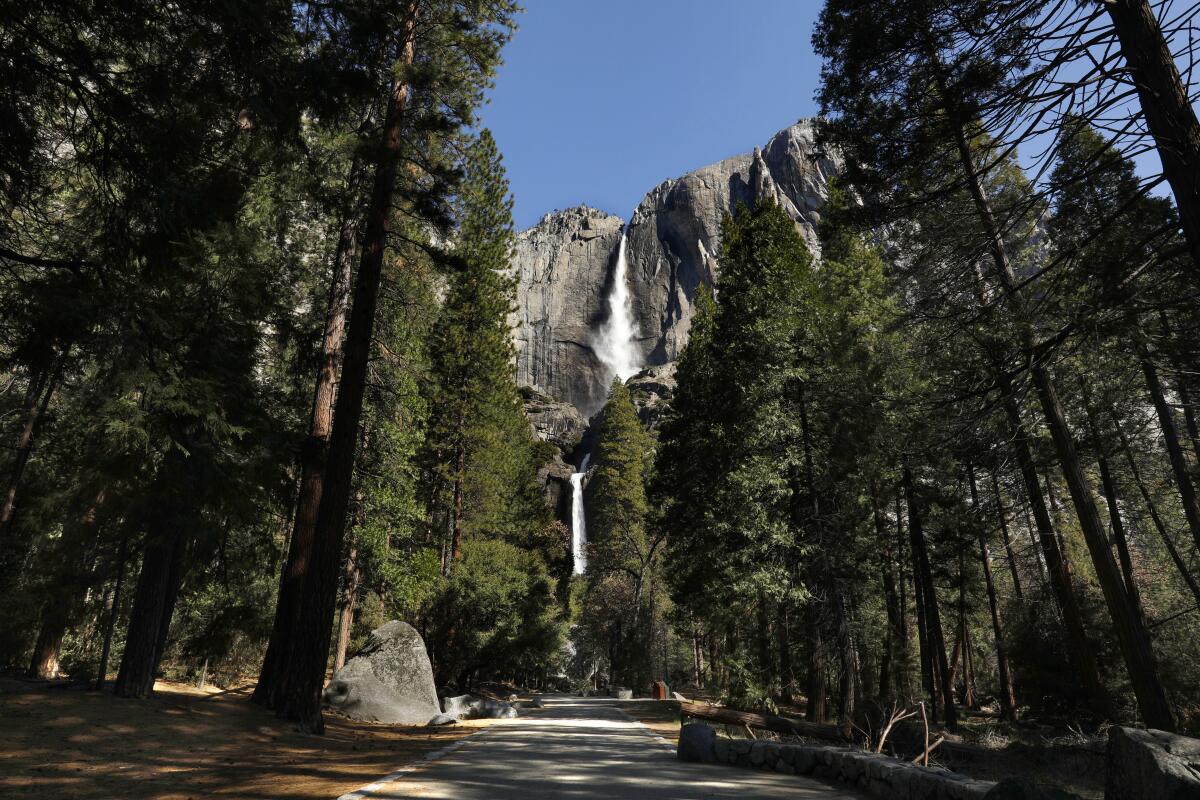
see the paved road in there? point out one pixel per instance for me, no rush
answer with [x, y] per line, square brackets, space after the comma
[580, 749]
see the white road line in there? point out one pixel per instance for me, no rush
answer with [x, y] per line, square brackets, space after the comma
[372, 788]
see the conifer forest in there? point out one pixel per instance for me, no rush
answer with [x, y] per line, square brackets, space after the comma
[272, 371]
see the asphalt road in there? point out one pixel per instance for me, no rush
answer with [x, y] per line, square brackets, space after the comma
[583, 749]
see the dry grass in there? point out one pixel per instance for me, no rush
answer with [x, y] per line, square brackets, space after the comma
[59, 743]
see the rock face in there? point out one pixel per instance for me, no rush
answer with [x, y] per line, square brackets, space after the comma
[554, 421]
[1150, 763]
[564, 264]
[675, 233]
[389, 680]
[651, 391]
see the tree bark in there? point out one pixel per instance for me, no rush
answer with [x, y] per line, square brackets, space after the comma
[1008, 548]
[815, 710]
[1058, 567]
[1159, 525]
[110, 624]
[350, 581]
[1108, 486]
[1168, 110]
[937, 642]
[37, 398]
[312, 457]
[76, 551]
[460, 472]
[153, 604]
[786, 678]
[305, 670]
[1135, 644]
[892, 634]
[1170, 432]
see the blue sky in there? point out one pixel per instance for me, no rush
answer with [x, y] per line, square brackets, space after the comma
[598, 102]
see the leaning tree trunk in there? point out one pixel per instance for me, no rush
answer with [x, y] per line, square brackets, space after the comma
[1170, 432]
[1008, 548]
[77, 549]
[1109, 487]
[304, 674]
[1132, 636]
[933, 618]
[1058, 568]
[37, 398]
[350, 581]
[111, 623]
[153, 605]
[1167, 109]
[312, 457]
[1159, 525]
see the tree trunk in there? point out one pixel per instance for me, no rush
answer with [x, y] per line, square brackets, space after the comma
[153, 605]
[110, 624]
[1179, 467]
[905, 651]
[892, 633]
[937, 642]
[305, 670]
[815, 710]
[312, 457]
[1163, 533]
[350, 581]
[1167, 109]
[1131, 634]
[1114, 516]
[1008, 704]
[1134, 643]
[37, 398]
[1008, 548]
[460, 472]
[786, 678]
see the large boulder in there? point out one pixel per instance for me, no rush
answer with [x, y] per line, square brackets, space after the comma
[1145, 764]
[388, 680]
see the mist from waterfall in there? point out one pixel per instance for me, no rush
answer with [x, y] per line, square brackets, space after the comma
[579, 519]
[615, 341]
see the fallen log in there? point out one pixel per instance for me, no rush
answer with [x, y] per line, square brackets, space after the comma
[785, 725]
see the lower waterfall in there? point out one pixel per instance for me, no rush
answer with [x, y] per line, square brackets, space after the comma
[579, 519]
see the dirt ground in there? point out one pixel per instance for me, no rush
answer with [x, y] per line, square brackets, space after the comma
[59, 743]
[660, 716]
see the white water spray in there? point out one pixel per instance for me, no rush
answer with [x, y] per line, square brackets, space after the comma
[615, 340]
[615, 347]
[578, 518]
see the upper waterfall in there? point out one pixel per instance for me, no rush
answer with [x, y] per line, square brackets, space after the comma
[615, 341]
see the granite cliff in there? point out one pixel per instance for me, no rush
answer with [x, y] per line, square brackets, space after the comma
[564, 264]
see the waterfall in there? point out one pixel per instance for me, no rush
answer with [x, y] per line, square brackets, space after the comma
[578, 518]
[614, 343]
[615, 347]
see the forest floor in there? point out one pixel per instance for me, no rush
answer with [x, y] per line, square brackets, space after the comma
[65, 742]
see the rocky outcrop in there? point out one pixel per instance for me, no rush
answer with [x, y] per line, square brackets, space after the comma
[1151, 763]
[651, 391]
[562, 266]
[675, 233]
[388, 680]
[555, 421]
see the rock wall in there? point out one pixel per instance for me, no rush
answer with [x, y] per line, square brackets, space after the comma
[564, 263]
[562, 266]
[878, 775]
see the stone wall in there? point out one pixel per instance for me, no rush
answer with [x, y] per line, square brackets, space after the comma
[879, 775]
